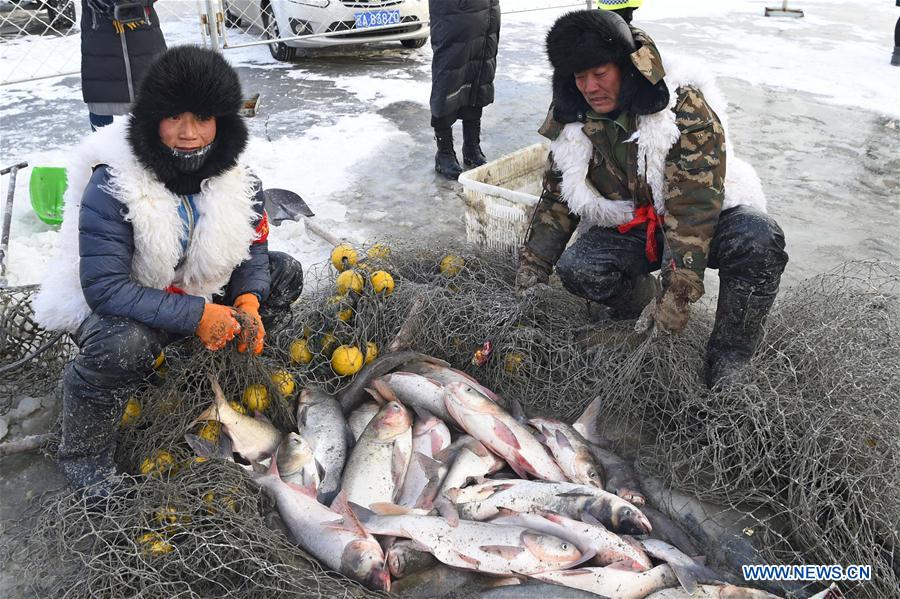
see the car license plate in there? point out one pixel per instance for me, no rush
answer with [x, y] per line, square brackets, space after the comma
[377, 18]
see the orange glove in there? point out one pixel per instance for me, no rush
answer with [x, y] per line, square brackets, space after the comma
[217, 327]
[252, 331]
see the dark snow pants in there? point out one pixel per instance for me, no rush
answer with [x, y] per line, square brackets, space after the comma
[747, 249]
[115, 353]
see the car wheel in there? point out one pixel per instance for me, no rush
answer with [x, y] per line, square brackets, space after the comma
[412, 44]
[278, 50]
[61, 14]
[231, 19]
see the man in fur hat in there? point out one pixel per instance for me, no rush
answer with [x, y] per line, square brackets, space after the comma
[164, 237]
[638, 167]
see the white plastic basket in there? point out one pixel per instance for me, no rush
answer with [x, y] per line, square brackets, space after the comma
[500, 196]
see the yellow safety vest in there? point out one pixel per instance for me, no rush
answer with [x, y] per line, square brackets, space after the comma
[617, 4]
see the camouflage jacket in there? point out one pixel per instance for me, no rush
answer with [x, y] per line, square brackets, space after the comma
[689, 181]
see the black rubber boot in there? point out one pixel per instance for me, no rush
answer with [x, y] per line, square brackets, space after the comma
[738, 329]
[472, 154]
[115, 354]
[287, 284]
[445, 161]
[895, 59]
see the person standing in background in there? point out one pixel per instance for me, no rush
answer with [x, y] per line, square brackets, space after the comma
[464, 37]
[895, 58]
[115, 54]
[623, 9]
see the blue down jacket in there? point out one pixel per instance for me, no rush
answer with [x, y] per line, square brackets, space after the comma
[106, 242]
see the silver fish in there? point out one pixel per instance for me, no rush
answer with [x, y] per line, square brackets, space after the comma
[445, 375]
[482, 546]
[321, 423]
[719, 530]
[482, 502]
[570, 450]
[500, 432]
[471, 462]
[404, 558]
[422, 481]
[296, 462]
[377, 465]
[686, 569]
[430, 435]
[361, 417]
[253, 438]
[414, 391]
[383, 364]
[607, 547]
[613, 582]
[334, 537]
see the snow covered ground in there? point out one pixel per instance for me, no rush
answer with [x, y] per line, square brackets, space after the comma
[814, 105]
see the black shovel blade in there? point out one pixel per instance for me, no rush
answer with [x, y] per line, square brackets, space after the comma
[283, 204]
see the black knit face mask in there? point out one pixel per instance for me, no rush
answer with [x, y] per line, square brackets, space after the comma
[190, 161]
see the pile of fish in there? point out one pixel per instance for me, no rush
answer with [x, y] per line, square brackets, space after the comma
[417, 467]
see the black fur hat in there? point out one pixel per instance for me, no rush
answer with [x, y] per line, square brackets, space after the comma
[588, 38]
[188, 79]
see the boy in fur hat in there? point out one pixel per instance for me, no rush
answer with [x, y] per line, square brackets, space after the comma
[164, 237]
[638, 166]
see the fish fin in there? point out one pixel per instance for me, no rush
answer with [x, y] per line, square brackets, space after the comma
[226, 447]
[469, 560]
[563, 441]
[362, 513]
[217, 388]
[586, 424]
[504, 551]
[385, 390]
[586, 557]
[452, 494]
[514, 406]
[342, 506]
[516, 465]
[624, 565]
[376, 396]
[399, 466]
[589, 518]
[386, 508]
[201, 447]
[447, 509]
[699, 559]
[505, 434]
[308, 490]
[429, 466]
[503, 511]
[478, 448]
[320, 469]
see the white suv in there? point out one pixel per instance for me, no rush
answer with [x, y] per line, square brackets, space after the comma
[287, 18]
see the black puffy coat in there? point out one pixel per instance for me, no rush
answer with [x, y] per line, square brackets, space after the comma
[464, 36]
[106, 240]
[103, 77]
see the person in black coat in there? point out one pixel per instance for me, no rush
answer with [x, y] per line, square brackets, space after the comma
[111, 72]
[464, 36]
[164, 239]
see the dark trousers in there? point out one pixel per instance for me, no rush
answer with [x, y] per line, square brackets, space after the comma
[465, 113]
[99, 120]
[747, 249]
[114, 354]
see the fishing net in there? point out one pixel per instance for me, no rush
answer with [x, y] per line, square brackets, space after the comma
[30, 357]
[806, 453]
